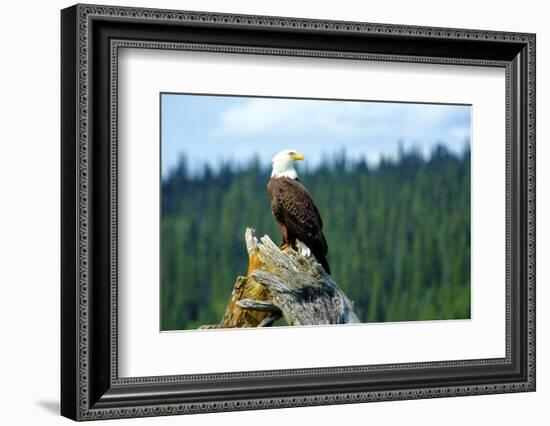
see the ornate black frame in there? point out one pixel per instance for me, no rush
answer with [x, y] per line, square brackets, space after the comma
[91, 37]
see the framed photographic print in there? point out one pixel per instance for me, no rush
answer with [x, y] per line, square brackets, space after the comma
[263, 212]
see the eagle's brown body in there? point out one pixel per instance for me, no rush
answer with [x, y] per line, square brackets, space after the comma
[298, 217]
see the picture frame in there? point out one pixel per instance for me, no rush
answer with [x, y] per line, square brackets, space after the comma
[91, 37]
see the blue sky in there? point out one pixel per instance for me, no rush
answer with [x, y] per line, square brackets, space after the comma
[212, 129]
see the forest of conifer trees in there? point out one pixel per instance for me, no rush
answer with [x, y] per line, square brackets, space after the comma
[398, 235]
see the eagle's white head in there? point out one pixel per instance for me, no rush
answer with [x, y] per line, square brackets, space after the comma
[283, 163]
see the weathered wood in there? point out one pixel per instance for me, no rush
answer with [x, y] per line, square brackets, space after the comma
[286, 283]
[246, 288]
[237, 314]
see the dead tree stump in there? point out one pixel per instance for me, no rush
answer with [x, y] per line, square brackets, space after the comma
[289, 284]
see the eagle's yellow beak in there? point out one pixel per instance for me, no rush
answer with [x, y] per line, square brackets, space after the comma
[297, 156]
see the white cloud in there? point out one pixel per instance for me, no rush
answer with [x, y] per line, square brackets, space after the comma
[238, 129]
[370, 121]
[259, 117]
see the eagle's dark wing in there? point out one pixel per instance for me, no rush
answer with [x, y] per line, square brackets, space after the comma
[294, 208]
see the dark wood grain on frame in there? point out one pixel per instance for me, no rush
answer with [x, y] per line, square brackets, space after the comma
[91, 388]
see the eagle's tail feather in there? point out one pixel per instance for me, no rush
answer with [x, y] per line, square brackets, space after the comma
[323, 261]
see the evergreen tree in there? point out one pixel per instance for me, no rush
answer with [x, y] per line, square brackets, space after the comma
[398, 235]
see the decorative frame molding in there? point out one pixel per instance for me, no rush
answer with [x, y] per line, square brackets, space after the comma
[91, 37]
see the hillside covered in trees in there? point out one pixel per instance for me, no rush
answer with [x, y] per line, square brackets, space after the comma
[398, 235]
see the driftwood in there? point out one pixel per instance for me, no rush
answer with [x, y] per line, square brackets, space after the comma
[284, 283]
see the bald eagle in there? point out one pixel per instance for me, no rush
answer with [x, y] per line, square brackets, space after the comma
[294, 209]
